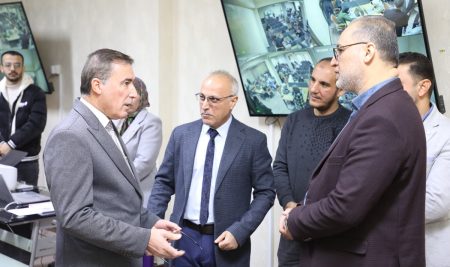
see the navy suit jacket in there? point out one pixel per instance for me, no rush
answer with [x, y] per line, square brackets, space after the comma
[244, 166]
[366, 200]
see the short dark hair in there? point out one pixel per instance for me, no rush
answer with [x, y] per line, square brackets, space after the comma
[420, 66]
[98, 65]
[327, 59]
[12, 53]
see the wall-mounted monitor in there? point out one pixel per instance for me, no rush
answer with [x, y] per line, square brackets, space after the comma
[15, 34]
[277, 42]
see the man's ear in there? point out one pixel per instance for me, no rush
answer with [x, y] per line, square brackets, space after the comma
[423, 87]
[341, 92]
[96, 86]
[370, 52]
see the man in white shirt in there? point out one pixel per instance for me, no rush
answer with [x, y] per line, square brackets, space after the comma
[213, 166]
[23, 115]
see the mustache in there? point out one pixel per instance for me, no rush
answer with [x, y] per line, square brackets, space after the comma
[205, 113]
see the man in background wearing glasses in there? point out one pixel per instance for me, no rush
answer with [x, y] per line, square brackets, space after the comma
[212, 166]
[23, 114]
[366, 200]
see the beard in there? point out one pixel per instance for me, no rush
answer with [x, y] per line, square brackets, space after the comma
[349, 81]
[13, 78]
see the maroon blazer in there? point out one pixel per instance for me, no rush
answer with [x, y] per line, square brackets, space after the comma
[366, 201]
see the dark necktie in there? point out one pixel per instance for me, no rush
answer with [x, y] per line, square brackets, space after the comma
[112, 131]
[207, 175]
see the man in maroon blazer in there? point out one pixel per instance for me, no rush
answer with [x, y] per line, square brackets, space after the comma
[366, 200]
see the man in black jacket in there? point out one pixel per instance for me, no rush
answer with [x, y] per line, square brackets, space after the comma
[23, 114]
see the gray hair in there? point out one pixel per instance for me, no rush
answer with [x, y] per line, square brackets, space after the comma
[233, 81]
[381, 32]
[99, 65]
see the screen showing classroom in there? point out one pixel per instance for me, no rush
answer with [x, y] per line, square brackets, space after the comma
[277, 43]
[15, 34]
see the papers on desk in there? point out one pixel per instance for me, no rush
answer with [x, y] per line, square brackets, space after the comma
[42, 208]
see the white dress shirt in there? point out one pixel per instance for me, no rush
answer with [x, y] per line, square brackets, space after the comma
[104, 122]
[192, 212]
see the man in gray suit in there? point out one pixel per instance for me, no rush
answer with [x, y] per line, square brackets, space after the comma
[416, 73]
[97, 198]
[212, 165]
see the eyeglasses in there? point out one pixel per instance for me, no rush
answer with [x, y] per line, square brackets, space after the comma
[337, 51]
[9, 65]
[211, 99]
[192, 240]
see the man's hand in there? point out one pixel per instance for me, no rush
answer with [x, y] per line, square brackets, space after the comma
[283, 228]
[290, 205]
[4, 149]
[226, 241]
[167, 225]
[159, 245]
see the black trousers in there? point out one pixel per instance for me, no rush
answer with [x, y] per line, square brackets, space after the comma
[28, 171]
[288, 253]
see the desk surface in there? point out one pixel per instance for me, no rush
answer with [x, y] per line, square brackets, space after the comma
[9, 218]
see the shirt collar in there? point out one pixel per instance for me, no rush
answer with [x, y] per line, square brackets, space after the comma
[100, 116]
[222, 130]
[361, 99]
[428, 112]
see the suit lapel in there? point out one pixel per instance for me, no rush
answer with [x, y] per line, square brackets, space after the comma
[189, 150]
[105, 141]
[431, 124]
[133, 127]
[389, 88]
[235, 139]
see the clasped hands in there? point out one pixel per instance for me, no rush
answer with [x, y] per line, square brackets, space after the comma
[283, 227]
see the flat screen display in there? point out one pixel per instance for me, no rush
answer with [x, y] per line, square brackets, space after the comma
[15, 34]
[277, 43]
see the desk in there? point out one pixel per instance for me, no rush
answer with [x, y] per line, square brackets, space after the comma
[38, 245]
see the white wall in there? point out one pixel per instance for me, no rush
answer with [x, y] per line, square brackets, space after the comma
[437, 18]
[175, 44]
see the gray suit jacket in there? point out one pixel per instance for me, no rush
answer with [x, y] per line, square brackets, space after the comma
[245, 165]
[143, 139]
[98, 202]
[437, 199]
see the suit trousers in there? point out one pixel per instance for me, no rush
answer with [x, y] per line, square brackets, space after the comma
[28, 171]
[288, 253]
[195, 255]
